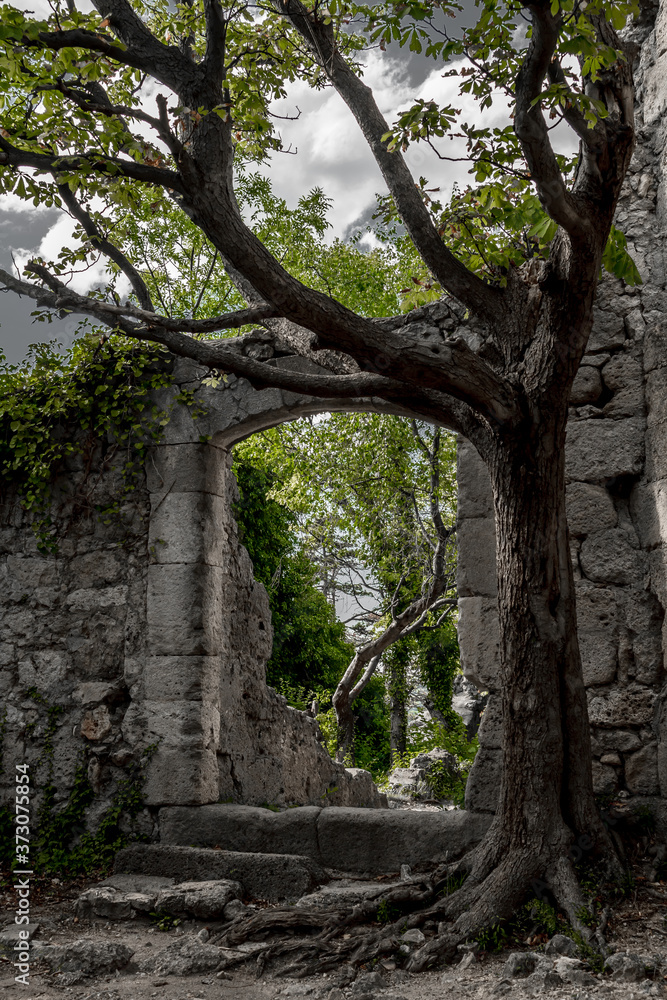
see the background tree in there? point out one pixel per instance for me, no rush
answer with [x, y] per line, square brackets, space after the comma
[493, 358]
[376, 506]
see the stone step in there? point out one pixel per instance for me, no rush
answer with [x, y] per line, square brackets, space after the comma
[263, 876]
[365, 841]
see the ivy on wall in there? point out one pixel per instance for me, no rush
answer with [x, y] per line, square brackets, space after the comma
[102, 386]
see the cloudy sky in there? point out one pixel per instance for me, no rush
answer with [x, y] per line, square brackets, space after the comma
[330, 153]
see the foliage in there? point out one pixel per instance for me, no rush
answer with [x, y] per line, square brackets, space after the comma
[100, 386]
[437, 660]
[497, 222]
[431, 736]
[184, 273]
[309, 646]
[359, 485]
[164, 921]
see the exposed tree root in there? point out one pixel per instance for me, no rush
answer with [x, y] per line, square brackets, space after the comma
[304, 942]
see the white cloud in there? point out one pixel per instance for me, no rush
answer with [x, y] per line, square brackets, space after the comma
[333, 154]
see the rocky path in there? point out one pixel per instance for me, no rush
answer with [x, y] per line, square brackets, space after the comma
[98, 959]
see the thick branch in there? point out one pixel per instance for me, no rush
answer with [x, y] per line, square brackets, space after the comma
[165, 63]
[532, 130]
[216, 34]
[446, 268]
[112, 166]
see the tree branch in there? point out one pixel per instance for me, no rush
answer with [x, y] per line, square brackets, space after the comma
[106, 247]
[109, 110]
[216, 36]
[166, 63]
[111, 166]
[110, 313]
[228, 356]
[445, 267]
[532, 129]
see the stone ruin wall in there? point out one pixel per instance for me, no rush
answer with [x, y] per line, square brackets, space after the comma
[153, 633]
[616, 467]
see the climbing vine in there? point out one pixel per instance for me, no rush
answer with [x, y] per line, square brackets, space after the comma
[102, 386]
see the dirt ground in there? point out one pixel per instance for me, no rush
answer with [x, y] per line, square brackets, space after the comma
[638, 926]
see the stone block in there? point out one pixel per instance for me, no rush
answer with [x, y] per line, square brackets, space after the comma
[96, 724]
[619, 707]
[609, 740]
[656, 432]
[589, 508]
[622, 371]
[479, 641]
[641, 771]
[357, 789]
[634, 324]
[483, 785]
[183, 776]
[657, 560]
[608, 331]
[263, 876]
[86, 956]
[597, 619]
[186, 956]
[655, 342]
[28, 573]
[44, 669]
[644, 618]
[648, 505]
[608, 557]
[381, 840]
[182, 678]
[655, 74]
[97, 569]
[605, 779]
[626, 403]
[202, 900]
[476, 567]
[587, 386]
[597, 450]
[184, 468]
[186, 724]
[185, 609]
[104, 902]
[190, 528]
[475, 496]
[97, 598]
[491, 727]
[243, 828]
[186, 425]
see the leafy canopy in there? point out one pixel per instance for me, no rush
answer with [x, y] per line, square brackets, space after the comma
[493, 223]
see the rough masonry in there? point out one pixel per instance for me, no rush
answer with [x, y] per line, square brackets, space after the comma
[149, 636]
[146, 640]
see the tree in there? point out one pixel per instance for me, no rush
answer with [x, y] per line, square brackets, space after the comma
[493, 358]
[374, 495]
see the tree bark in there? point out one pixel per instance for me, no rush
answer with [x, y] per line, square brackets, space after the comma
[397, 668]
[546, 814]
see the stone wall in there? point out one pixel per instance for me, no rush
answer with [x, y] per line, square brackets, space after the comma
[149, 633]
[616, 461]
